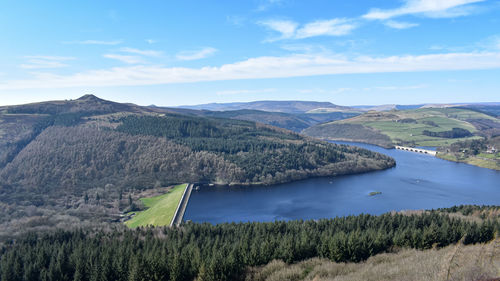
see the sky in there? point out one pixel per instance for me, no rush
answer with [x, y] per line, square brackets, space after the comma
[171, 53]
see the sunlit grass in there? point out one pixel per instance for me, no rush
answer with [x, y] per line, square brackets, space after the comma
[160, 210]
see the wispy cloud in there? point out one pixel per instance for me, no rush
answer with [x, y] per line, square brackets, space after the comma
[399, 24]
[267, 4]
[488, 44]
[148, 53]
[150, 41]
[333, 27]
[38, 62]
[239, 92]
[261, 68]
[196, 54]
[95, 42]
[287, 28]
[429, 8]
[124, 58]
[290, 30]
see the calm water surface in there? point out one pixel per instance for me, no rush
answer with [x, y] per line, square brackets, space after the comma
[417, 182]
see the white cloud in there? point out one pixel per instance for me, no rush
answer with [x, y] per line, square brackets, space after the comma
[196, 54]
[261, 68]
[150, 41]
[333, 27]
[149, 53]
[124, 58]
[399, 24]
[95, 42]
[285, 27]
[429, 8]
[239, 92]
[290, 29]
[38, 62]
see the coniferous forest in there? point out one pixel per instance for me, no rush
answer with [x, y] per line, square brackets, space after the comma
[223, 252]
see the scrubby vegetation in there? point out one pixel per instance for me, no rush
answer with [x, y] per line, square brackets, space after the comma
[224, 252]
[455, 262]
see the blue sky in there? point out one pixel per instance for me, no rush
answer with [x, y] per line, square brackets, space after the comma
[190, 52]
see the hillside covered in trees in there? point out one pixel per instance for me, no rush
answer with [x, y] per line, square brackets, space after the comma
[226, 251]
[83, 158]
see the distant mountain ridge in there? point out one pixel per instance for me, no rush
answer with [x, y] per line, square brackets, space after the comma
[297, 107]
[272, 106]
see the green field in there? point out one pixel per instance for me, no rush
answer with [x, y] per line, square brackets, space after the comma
[160, 210]
[411, 133]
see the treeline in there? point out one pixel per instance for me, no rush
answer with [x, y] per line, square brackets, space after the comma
[469, 147]
[224, 252]
[451, 134]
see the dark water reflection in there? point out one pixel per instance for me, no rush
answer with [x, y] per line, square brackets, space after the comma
[417, 182]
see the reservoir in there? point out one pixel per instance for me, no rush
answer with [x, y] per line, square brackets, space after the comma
[418, 181]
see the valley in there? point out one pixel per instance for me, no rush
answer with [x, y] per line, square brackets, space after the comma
[83, 158]
[261, 140]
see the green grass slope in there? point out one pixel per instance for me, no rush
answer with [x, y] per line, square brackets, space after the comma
[161, 209]
[406, 127]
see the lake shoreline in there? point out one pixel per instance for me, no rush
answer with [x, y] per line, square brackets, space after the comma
[417, 182]
[473, 161]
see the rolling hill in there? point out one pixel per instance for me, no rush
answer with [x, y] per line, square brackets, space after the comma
[421, 127]
[291, 121]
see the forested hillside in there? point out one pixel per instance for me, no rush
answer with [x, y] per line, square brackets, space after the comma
[226, 251]
[85, 158]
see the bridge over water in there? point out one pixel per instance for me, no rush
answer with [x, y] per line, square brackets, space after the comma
[418, 150]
